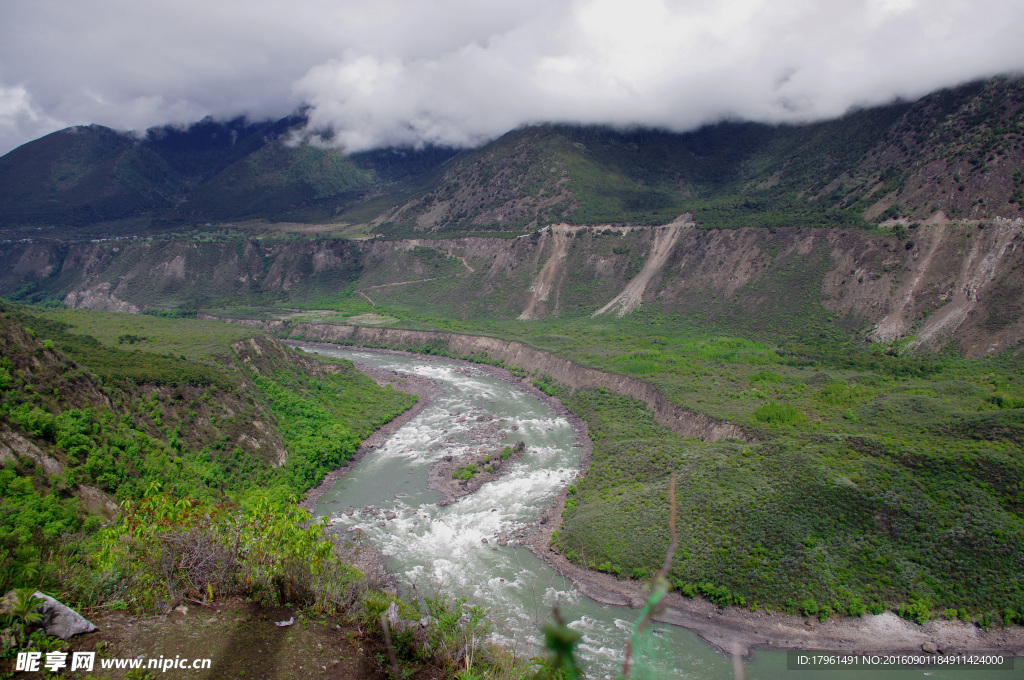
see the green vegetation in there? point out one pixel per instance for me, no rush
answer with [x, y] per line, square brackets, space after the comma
[321, 430]
[29, 294]
[19, 627]
[465, 472]
[257, 549]
[87, 434]
[634, 177]
[269, 552]
[164, 550]
[138, 367]
[849, 523]
[31, 521]
[114, 423]
[878, 480]
[779, 414]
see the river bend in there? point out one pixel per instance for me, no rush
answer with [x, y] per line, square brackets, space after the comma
[458, 548]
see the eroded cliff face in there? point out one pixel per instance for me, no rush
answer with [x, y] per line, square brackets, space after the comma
[135, 275]
[938, 283]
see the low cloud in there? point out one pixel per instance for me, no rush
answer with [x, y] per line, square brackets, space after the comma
[460, 72]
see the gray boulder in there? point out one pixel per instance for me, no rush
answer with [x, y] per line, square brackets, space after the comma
[61, 620]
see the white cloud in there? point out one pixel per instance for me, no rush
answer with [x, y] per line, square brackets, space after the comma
[462, 71]
[20, 119]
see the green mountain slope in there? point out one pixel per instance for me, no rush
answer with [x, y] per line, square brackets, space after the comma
[82, 175]
[89, 176]
[958, 150]
[86, 424]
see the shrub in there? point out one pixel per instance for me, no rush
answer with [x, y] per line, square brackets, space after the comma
[841, 394]
[165, 550]
[918, 611]
[779, 414]
[465, 472]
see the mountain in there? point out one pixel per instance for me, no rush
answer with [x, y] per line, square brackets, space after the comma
[84, 175]
[959, 150]
[745, 249]
[92, 176]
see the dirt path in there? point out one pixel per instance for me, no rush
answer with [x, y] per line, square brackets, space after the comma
[665, 239]
[471, 270]
[399, 283]
[239, 639]
[373, 305]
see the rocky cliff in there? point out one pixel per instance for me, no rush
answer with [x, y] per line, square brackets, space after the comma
[930, 283]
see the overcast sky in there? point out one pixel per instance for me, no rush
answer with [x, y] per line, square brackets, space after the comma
[461, 72]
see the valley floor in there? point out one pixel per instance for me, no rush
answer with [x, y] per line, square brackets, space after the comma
[731, 629]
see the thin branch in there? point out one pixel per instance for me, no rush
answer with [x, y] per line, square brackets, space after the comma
[391, 650]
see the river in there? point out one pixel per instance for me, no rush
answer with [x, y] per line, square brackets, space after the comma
[442, 548]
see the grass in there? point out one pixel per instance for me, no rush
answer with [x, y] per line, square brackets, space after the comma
[136, 366]
[197, 341]
[779, 414]
[878, 481]
[852, 524]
